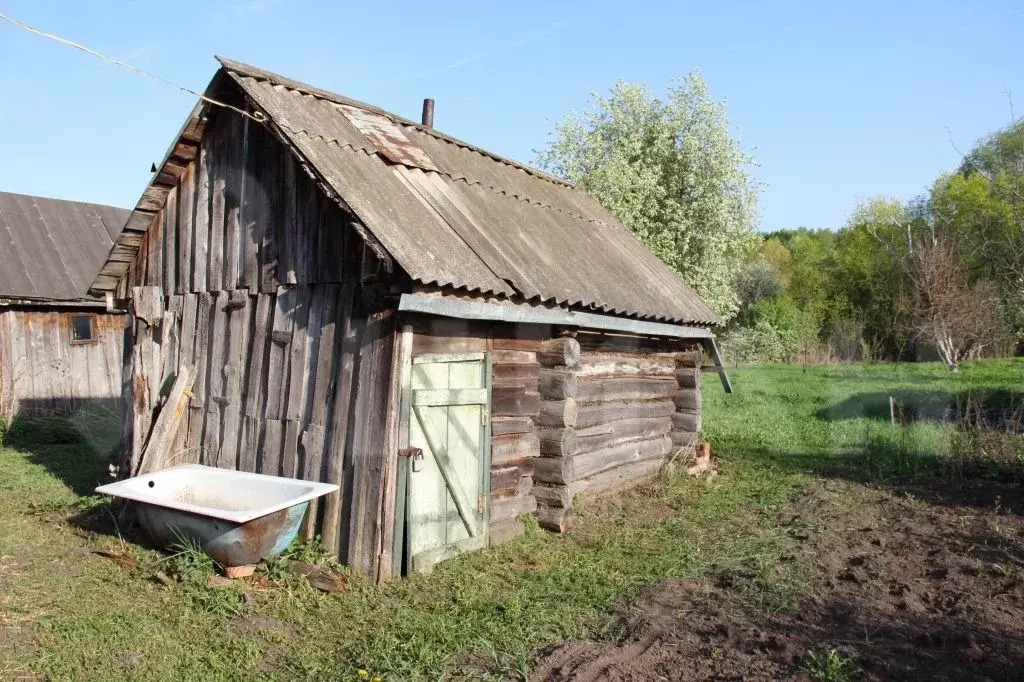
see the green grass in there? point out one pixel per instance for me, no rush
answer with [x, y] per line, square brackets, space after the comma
[69, 613]
[836, 417]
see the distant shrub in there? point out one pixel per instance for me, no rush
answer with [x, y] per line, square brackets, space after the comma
[775, 330]
[846, 338]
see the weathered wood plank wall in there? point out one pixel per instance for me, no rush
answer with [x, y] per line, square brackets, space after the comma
[42, 371]
[259, 278]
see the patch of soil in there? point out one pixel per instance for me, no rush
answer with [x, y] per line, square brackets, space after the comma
[908, 589]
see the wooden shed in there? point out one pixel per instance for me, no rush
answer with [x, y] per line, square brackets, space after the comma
[60, 348]
[456, 339]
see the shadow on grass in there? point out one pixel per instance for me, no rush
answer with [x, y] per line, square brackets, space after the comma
[77, 446]
[981, 469]
[996, 407]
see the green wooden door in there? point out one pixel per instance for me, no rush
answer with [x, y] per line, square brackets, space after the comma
[446, 510]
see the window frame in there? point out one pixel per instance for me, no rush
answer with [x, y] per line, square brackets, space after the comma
[93, 336]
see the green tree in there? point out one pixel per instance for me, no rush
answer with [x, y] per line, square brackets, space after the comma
[869, 284]
[808, 277]
[672, 172]
[775, 253]
[981, 208]
[967, 208]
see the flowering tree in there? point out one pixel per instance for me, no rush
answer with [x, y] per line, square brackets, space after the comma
[672, 172]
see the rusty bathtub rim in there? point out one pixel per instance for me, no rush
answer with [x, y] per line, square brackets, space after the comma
[125, 489]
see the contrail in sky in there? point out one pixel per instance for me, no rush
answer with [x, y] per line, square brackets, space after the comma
[552, 28]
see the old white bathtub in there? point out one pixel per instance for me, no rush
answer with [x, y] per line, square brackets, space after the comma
[238, 518]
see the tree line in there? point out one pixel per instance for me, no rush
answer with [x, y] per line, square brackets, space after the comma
[940, 276]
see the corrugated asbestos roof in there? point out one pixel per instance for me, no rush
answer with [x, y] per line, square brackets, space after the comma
[51, 249]
[454, 215]
[450, 214]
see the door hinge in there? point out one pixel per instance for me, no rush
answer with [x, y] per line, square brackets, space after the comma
[481, 504]
[485, 416]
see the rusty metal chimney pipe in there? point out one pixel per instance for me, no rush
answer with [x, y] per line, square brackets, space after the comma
[428, 113]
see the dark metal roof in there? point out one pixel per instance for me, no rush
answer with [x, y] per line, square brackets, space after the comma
[51, 249]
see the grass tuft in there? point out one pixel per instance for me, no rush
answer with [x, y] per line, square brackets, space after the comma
[188, 563]
[830, 666]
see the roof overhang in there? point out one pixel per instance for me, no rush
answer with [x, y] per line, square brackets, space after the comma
[86, 304]
[526, 313]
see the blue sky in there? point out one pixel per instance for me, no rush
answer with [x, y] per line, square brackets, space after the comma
[837, 101]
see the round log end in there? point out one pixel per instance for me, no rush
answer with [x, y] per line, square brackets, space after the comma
[570, 411]
[561, 351]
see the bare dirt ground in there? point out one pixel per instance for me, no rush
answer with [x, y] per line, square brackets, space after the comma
[923, 581]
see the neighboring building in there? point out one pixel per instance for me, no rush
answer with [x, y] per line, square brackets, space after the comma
[60, 348]
[350, 285]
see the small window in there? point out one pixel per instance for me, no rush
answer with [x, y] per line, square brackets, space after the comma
[83, 328]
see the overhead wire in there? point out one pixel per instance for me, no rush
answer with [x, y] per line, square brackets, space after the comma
[257, 116]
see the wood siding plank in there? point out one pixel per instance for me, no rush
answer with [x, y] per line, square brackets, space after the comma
[197, 410]
[216, 375]
[218, 164]
[186, 215]
[269, 219]
[234, 142]
[277, 363]
[348, 337]
[201, 226]
[239, 324]
[372, 394]
[170, 243]
[252, 201]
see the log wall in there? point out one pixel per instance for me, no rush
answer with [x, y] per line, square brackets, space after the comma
[686, 420]
[256, 278]
[585, 414]
[42, 371]
[613, 408]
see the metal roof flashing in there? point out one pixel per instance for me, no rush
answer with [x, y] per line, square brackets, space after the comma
[531, 314]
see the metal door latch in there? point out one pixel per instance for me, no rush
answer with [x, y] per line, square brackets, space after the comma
[416, 455]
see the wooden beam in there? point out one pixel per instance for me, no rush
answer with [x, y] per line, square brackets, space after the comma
[156, 455]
